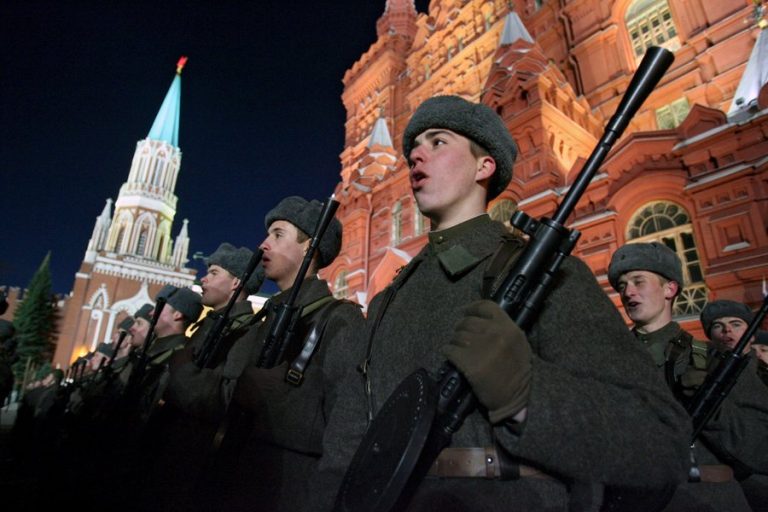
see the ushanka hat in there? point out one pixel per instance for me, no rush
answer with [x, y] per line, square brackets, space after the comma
[653, 257]
[721, 309]
[126, 323]
[183, 300]
[304, 215]
[475, 121]
[235, 261]
[144, 312]
[106, 349]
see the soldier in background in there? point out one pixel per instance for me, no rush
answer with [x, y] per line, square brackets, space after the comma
[182, 433]
[648, 278]
[760, 346]
[743, 417]
[569, 406]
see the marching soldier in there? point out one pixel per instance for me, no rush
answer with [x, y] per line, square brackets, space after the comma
[648, 278]
[569, 407]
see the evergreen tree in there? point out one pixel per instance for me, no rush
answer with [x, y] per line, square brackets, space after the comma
[35, 321]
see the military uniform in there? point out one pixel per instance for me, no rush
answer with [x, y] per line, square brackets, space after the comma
[180, 435]
[683, 362]
[275, 428]
[596, 412]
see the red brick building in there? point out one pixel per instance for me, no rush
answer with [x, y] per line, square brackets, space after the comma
[691, 169]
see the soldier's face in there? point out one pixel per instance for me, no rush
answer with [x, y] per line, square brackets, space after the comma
[283, 253]
[727, 331]
[218, 284]
[761, 351]
[444, 173]
[138, 332]
[645, 296]
[96, 360]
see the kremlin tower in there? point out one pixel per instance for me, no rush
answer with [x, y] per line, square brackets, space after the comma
[690, 172]
[131, 254]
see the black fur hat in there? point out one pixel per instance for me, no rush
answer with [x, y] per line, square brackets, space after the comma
[304, 215]
[474, 121]
[653, 257]
[235, 261]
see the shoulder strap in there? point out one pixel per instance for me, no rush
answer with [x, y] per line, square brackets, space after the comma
[295, 374]
[503, 258]
[674, 367]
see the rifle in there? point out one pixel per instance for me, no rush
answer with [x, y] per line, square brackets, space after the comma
[719, 383]
[118, 346]
[386, 469]
[140, 364]
[214, 335]
[283, 325]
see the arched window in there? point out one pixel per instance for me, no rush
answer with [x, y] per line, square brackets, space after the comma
[397, 223]
[120, 236]
[142, 243]
[649, 23]
[340, 286]
[670, 224]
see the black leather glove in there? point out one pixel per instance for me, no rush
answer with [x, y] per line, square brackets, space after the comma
[493, 354]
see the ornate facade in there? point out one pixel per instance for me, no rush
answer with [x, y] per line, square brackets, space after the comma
[686, 172]
[130, 255]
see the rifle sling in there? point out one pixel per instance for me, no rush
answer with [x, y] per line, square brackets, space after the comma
[295, 373]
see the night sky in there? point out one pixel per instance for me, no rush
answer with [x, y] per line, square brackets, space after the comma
[81, 83]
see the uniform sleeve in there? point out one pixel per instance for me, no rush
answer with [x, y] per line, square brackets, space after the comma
[598, 410]
[206, 393]
[737, 432]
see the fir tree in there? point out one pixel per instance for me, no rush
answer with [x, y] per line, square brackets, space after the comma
[35, 321]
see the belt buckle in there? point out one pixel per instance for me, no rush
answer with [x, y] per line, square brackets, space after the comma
[294, 376]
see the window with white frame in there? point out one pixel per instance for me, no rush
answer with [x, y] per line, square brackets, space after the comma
[397, 223]
[670, 224]
[340, 286]
[670, 116]
[649, 23]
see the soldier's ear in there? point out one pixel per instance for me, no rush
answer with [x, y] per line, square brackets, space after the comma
[671, 288]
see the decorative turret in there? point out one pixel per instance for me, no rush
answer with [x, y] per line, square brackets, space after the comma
[399, 18]
[181, 247]
[100, 232]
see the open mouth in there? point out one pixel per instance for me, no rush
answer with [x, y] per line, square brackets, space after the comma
[417, 179]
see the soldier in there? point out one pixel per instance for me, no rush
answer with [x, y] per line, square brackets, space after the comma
[760, 346]
[182, 432]
[743, 417]
[648, 278]
[276, 427]
[572, 405]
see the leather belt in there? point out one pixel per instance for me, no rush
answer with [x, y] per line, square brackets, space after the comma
[713, 473]
[480, 463]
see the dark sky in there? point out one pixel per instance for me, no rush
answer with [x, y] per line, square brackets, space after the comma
[81, 83]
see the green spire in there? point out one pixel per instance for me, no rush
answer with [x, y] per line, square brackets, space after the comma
[166, 125]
